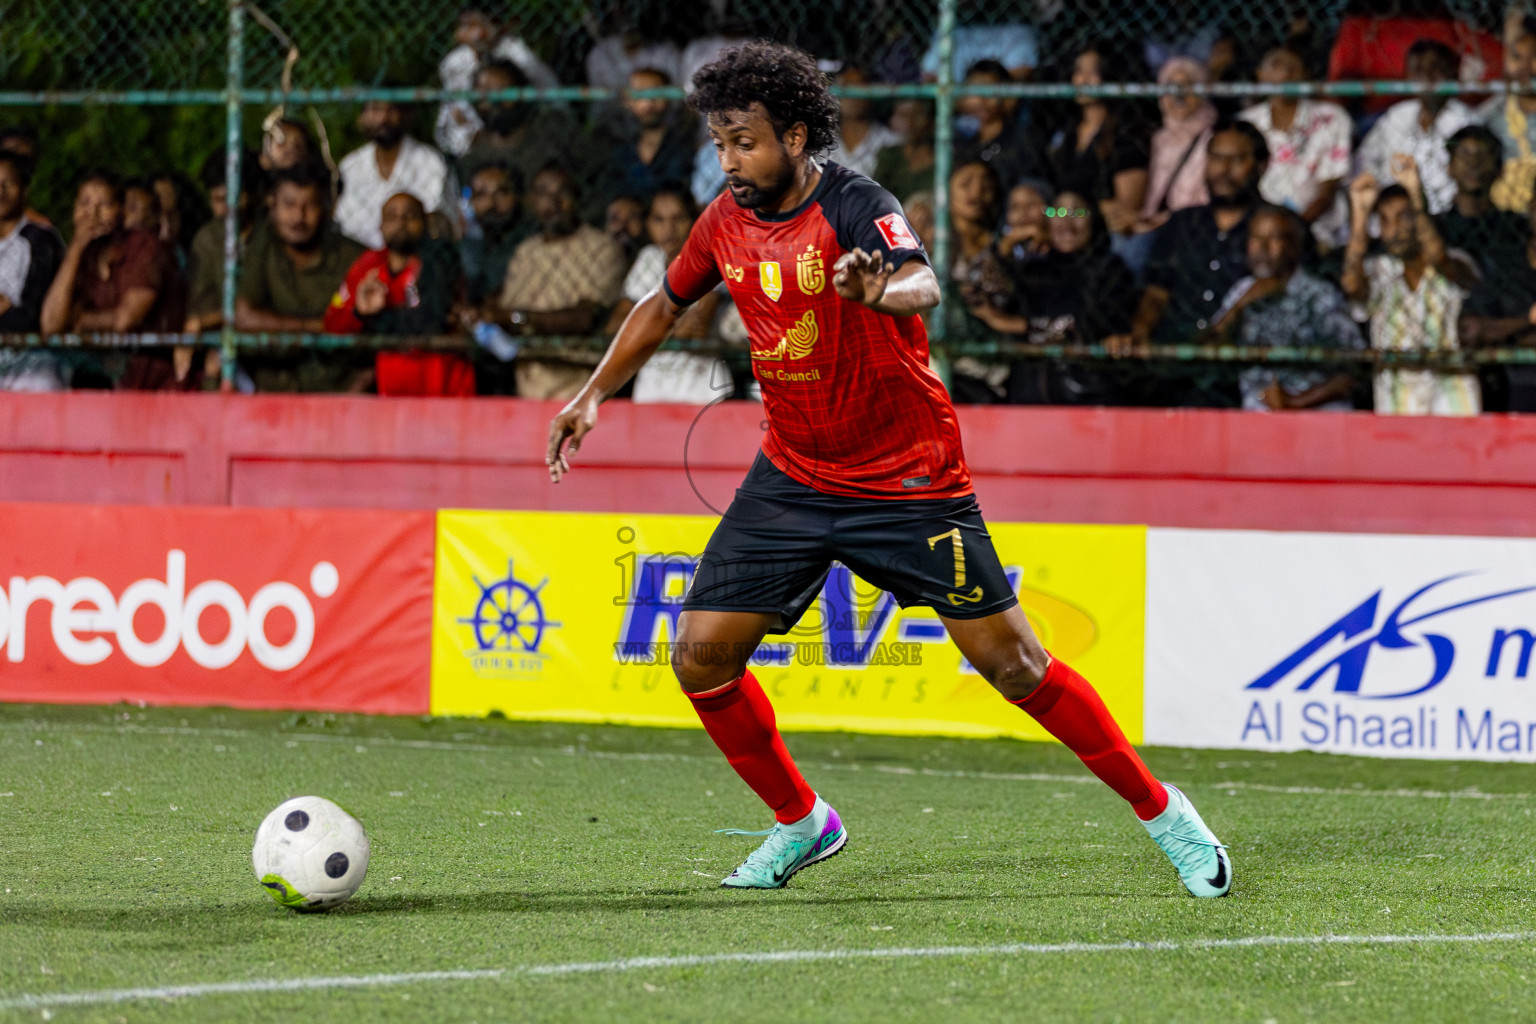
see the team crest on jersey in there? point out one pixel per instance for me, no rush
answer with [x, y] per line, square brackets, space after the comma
[771, 279]
[810, 271]
[797, 342]
[896, 232]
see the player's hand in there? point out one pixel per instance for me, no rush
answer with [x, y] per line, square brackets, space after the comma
[573, 423]
[860, 276]
[1275, 397]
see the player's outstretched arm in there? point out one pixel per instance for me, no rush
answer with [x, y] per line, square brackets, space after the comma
[642, 332]
[866, 277]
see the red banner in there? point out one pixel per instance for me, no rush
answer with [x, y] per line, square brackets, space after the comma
[258, 608]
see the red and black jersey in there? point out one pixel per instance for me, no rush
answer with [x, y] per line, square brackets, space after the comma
[852, 407]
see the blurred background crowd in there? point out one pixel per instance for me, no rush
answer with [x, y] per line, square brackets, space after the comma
[1291, 220]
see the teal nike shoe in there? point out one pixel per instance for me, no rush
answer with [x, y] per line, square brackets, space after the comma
[1203, 865]
[783, 853]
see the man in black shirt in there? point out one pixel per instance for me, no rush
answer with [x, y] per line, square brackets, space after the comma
[1202, 251]
[1494, 239]
[1196, 258]
[1506, 315]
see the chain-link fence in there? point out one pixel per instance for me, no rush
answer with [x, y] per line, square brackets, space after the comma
[1057, 159]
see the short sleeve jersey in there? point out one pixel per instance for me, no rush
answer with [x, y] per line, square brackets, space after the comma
[852, 406]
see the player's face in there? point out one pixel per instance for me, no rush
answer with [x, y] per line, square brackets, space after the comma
[758, 165]
[403, 224]
[298, 213]
[1272, 250]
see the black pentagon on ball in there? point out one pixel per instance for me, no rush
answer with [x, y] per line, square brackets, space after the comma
[297, 821]
[336, 865]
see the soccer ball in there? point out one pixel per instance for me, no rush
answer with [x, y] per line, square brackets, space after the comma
[310, 854]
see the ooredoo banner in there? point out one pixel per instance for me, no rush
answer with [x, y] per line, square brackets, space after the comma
[568, 616]
[265, 608]
[1396, 646]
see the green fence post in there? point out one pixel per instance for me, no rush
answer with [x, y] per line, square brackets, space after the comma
[233, 151]
[943, 151]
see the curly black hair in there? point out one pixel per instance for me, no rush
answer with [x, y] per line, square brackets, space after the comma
[783, 79]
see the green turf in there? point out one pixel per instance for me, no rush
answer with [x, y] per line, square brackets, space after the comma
[125, 842]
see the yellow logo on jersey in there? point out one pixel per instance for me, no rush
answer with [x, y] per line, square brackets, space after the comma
[796, 342]
[772, 281]
[810, 271]
[734, 273]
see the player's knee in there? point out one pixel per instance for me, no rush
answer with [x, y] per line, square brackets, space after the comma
[1016, 677]
[700, 668]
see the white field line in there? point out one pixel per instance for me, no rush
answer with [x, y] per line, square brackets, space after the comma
[128, 729]
[792, 956]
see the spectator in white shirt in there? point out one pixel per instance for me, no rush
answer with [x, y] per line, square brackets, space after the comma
[672, 376]
[479, 37]
[391, 162]
[861, 136]
[1308, 147]
[615, 57]
[1420, 127]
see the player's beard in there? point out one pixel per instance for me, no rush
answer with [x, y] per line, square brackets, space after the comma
[764, 192]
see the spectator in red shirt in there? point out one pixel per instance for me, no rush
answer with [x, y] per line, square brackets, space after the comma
[1373, 45]
[407, 287]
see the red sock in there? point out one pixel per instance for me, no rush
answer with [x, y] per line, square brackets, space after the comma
[740, 721]
[1072, 711]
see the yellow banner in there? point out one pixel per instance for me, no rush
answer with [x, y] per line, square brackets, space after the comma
[566, 616]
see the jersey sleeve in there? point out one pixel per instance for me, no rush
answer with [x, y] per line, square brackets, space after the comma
[694, 273]
[868, 217]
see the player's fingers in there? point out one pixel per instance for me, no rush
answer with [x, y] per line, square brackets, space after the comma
[844, 262]
[558, 431]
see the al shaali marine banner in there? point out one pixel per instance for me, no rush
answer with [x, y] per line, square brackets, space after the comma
[567, 616]
[1395, 646]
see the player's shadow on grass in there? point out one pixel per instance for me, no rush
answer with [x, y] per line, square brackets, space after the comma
[628, 901]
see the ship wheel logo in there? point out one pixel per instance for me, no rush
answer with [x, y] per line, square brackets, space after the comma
[509, 615]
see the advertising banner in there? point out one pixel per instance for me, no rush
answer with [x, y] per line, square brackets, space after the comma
[567, 616]
[255, 608]
[1394, 646]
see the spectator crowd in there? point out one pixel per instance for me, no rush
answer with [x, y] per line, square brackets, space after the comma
[1294, 222]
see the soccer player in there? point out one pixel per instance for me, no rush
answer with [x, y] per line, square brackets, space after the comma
[861, 462]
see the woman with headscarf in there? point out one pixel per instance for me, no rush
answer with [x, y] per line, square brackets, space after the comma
[1176, 172]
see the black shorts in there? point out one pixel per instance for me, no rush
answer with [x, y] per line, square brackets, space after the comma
[776, 543]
